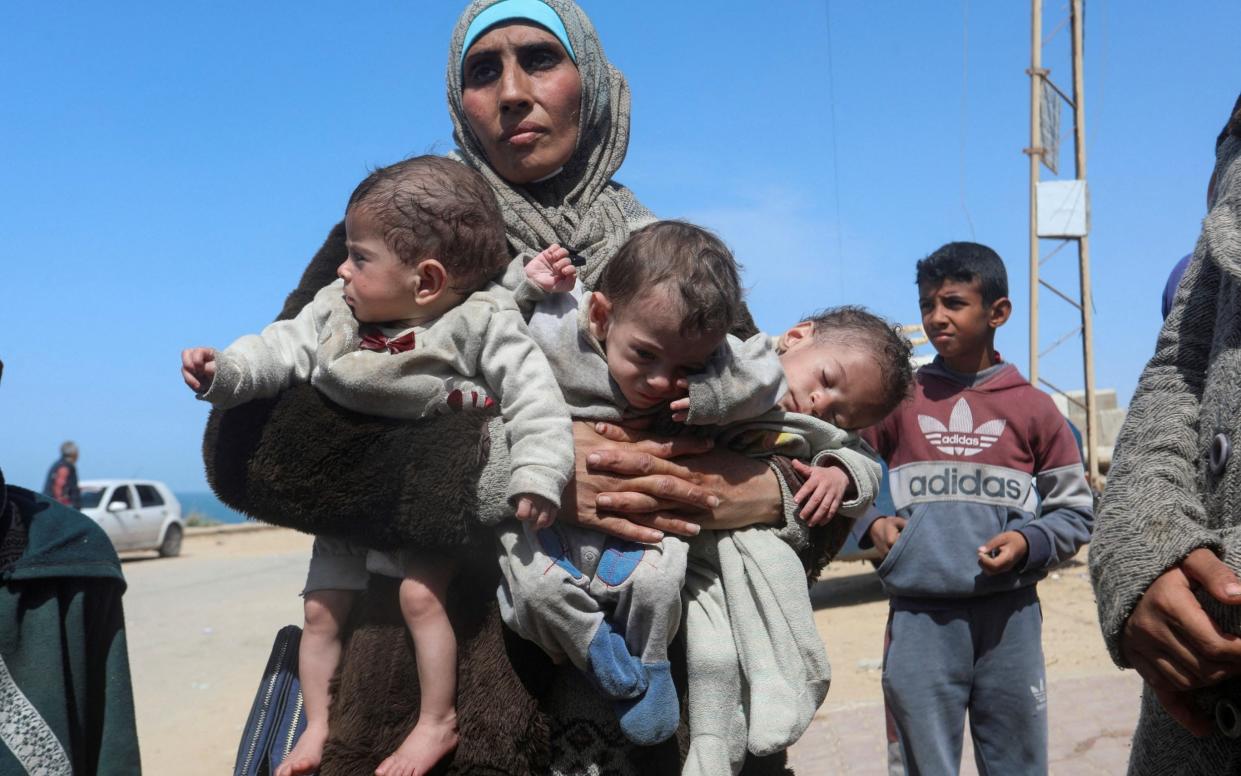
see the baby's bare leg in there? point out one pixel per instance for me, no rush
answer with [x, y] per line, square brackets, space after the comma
[317, 658]
[423, 593]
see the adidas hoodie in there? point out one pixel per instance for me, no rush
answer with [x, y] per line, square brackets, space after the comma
[970, 456]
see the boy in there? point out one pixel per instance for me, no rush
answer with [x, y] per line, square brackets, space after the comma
[653, 331]
[990, 492]
[412, 328]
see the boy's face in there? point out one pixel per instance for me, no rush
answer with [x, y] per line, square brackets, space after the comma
[379, 287]
[647, 355]
[960, 326]
[833, 381]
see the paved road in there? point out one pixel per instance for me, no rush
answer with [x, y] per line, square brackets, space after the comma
[1091, 721]
[200, 628]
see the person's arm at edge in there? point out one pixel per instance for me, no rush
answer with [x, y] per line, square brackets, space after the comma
[1151, 517]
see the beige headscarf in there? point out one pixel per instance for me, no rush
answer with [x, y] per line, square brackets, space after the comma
[581, 207]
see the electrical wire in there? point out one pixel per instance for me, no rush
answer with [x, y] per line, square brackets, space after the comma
[831, 100]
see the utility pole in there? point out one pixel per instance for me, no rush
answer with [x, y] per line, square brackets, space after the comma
[1066, 217]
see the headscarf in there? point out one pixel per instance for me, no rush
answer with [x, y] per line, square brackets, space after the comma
[580, 207]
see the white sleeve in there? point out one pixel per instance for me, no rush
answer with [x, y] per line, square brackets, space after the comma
[262, 365]
[536, 418]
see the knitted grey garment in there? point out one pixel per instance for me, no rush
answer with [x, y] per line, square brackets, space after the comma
[1175, 484]
[580, 207]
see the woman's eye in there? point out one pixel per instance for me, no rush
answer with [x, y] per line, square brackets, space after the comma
[480, 73]
[542, 59]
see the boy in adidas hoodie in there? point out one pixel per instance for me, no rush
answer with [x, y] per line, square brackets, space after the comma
[989, 491]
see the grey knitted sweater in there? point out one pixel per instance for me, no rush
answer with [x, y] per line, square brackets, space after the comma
[1167, 494]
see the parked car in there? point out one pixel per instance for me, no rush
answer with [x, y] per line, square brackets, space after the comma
[136, 514]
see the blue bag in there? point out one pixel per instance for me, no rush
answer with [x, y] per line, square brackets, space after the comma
[277, 715]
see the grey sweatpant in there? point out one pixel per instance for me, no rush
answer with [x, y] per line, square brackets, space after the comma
[560, 583]
[945, 656]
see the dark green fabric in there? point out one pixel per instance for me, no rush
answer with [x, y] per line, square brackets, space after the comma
[62, 636]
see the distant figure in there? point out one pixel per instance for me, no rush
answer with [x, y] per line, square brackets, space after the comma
[66, 702]
[62, 478]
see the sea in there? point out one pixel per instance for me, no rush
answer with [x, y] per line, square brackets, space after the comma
[206, 504]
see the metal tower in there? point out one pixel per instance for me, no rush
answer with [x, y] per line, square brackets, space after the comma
[1059, 209]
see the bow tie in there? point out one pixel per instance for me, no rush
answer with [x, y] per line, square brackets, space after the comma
[378, 342]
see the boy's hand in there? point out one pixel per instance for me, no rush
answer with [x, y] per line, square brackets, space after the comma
[823, 492]
[552, 270]
[536, 508]
[198, 368]
[885, 531]
[1003, 552]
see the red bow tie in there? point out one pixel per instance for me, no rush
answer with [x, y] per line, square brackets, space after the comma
[378, 342]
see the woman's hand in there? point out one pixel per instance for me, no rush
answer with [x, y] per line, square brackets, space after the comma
[625, 485]
[1175, 645]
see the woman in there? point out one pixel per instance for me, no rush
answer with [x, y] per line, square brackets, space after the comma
[540, 112]
[1165, 550]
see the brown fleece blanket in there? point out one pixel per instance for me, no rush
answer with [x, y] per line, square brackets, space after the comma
[301, 461]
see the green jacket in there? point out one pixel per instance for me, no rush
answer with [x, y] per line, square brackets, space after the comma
[66, 704]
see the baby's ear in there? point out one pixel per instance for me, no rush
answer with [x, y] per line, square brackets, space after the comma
[600, 317]
[797, 336]
[432, 279]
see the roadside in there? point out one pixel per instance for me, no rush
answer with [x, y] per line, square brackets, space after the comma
[1092, 706]
[201, 626]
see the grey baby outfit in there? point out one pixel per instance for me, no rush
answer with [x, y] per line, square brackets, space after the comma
[478, 356]
[598, 601]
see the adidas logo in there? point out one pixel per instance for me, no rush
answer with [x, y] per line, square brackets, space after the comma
[960, 437]
[982, 481]
[1040, 693]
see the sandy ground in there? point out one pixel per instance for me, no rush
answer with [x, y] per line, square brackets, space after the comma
[200, 627]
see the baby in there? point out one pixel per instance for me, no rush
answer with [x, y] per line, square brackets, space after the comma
[652, 338]
[412, 325]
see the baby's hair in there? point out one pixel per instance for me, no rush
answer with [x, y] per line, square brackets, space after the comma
[966, 262]
[694, 265]
[433, 207]
[859, 328]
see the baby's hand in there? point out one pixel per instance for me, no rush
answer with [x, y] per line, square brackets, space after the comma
[198, 368]
[1003, 552]
[552, 270]
[536, 508]
[680, 407]
[823, 492]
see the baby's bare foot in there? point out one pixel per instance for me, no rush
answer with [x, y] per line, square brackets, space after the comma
[428, 743]
[306, 754]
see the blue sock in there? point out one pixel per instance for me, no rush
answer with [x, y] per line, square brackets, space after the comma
[616, 673]
[653, 717]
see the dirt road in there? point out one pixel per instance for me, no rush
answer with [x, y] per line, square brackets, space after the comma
[200, 628]
[201, 625]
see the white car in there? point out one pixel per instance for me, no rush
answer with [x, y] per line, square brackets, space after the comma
[136, 514]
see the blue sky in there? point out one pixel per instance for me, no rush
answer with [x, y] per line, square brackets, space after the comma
[170, 168]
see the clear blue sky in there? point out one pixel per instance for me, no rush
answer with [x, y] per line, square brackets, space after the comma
[170, 168]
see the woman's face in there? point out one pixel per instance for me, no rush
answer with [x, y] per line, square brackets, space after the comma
[522, 97]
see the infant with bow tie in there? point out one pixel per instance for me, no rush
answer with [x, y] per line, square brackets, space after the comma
[413, 327]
